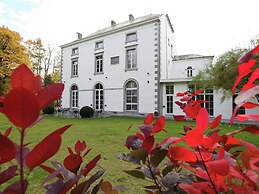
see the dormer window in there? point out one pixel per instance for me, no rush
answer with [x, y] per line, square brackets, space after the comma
[75, 51]
[99, 45]
[131, 37]
[189, 71]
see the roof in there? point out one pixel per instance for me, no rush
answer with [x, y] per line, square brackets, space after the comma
[189, 56]
[118, 27]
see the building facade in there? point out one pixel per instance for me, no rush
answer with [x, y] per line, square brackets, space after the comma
[131, 68]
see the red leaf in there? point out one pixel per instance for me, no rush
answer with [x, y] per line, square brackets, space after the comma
[202, 119]
[60, 131]
[243, 70]
[7, 174]
[242, 118]
[252, 129]
[206, 155]
[21, 107]
[91, 164]
[23, 77]
[73, 162]
[159, 125]
[182, 153]
[149, 119]
[50, 170]
[253, 77]
[221, 167]
[87, 152]
[179, 118]
[7, 132]
[80, 147]
[180, 94]
[70, 150]
[7, 150]
[148, 143]
[192, 109]
[43, 151]
[37, 83]
[194, 137]
[221, 153]
[215, 123]
[129, 127]
[250, 105]
[197, 92]
[50, 93]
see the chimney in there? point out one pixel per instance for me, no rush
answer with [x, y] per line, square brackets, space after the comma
[131, 17]
[79, 35]
[113, 23]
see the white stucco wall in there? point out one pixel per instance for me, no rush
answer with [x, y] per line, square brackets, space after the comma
[114, 76]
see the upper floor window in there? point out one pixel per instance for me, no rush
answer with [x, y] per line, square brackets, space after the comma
[74, 68]
[115, 60]
[75, 51]
[189, 71]
[99, 45]
[99, 64]
[131, 37]
[131, 62]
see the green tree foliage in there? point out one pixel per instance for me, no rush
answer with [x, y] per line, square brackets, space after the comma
[222, 74]
[12, 53]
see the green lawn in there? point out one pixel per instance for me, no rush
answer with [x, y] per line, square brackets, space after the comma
[106, 136]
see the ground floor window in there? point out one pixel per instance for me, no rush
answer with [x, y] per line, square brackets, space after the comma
[98, 93]
[131, 96]
[169, 98]
[208, 96]
[74, 96]
[241, 110]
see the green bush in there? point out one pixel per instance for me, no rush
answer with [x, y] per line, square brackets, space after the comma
[48, 110]
[86, 112]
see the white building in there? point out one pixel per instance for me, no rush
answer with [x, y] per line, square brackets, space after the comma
[131, 68]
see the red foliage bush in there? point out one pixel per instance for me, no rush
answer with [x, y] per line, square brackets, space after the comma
[210, 163]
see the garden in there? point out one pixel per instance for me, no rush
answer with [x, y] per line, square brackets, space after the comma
[127, 155]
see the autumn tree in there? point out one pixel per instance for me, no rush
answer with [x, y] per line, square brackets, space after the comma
[12, 53]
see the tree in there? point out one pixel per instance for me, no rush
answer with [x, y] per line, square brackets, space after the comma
[12, 53]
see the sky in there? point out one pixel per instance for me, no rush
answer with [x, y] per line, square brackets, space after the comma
[205, 27]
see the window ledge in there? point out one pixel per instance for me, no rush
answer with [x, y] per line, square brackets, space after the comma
[131, 69]
[98, 73]
[74, 76]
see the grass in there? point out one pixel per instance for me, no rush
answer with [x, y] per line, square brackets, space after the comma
[106, 136]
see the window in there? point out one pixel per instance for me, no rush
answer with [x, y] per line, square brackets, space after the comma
[169, 98]
[99, 64]
[98, 93]
[241, 110]
[131, 37]
[74, 69]
[115, 60]
[189, 71]
[99, 45]
[75, 51]
[209, 97]
[131, 96]
[131, 62]
[74, 97]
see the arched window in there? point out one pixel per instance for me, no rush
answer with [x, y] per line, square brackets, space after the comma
[189, 71]
[131, 96]
[74, 96]
[98, 96]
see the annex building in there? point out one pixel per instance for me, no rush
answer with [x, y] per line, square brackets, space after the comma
[131, 68]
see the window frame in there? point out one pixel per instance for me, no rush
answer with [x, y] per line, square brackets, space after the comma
[169, 94]
[131, 67]
[97, 43]
[73, 53]
[132, 94]
[100, 101]
[74, 67]
[189, 71]
[74, 96]
[131, 34]
[98, 64]
[117, 62]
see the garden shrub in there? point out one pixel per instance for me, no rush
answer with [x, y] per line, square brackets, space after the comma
[48, 110]
[86, 112]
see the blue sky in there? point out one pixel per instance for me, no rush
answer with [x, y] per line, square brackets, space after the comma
[201, 26]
